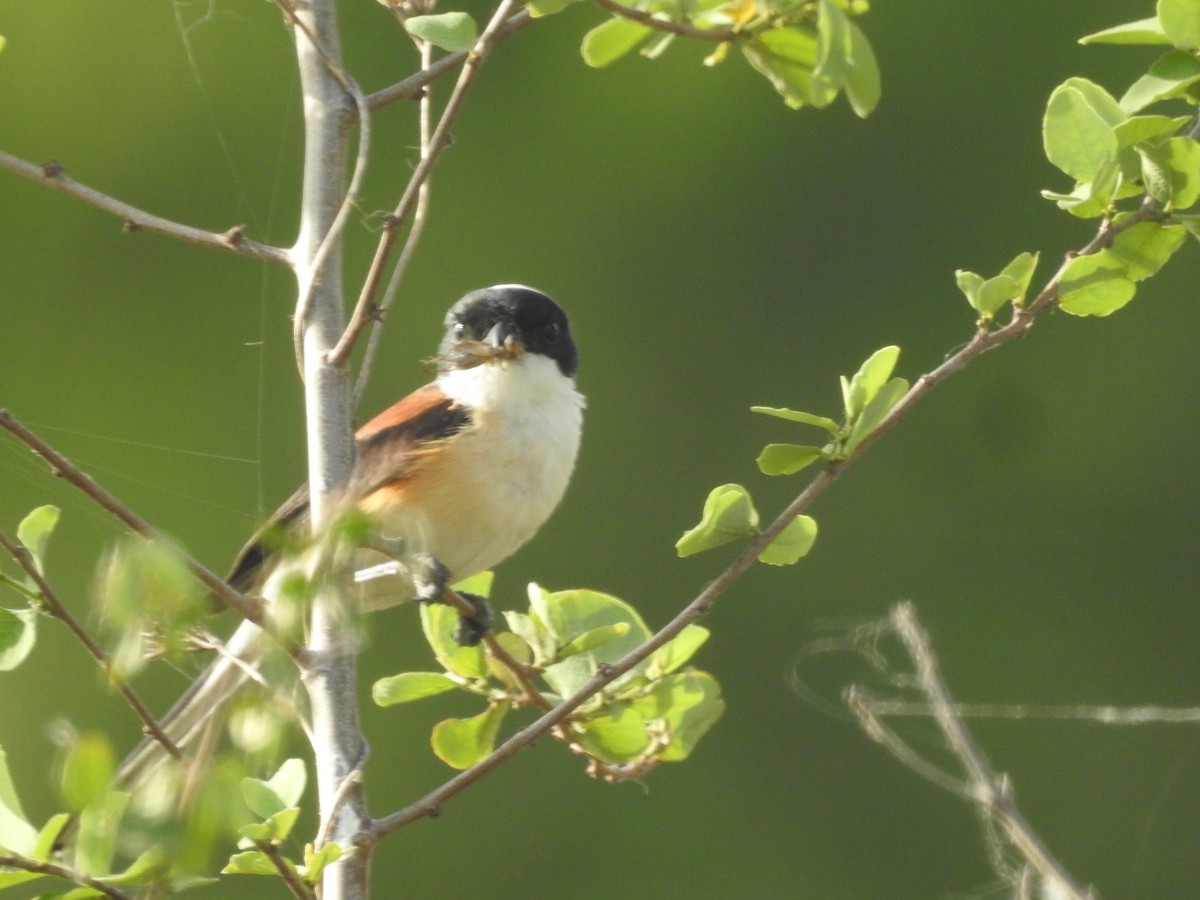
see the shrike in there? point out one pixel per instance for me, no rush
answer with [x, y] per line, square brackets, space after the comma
[456, 476]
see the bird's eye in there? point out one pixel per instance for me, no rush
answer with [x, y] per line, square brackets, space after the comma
[552, 331]
[459, 329]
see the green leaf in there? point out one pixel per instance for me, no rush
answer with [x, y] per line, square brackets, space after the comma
[881, 404]
[460, 743]
[803, 418]
[1100, 100]
[250, 862]
[281, 791]
[315, 862]
[289, 780]
[539, 8]
[787, 57]
[48, 837]
[274, 828]
[862, 81]
[451, 31]
[676, 652]
[970, 283]
[408, 686]
[568, 614]
[1144, 248]
[151, 867]
[1090, 199]
[1138, 129]
[1143, 31]
[1155, 174]
[3, 41]
[1181, 156]
[729, 515]
[439, 622]
[610, 40]
[1191, 222]
[1180, 21]
[34, 534]
[792, 544]
[88, 771]
[593, 638]
[687, 704]
[99, 829]
[531, 630]
[866, 382]
[518, 650]
[1170, 76]
[617, 735]
[16, 834]
[1077, 137]
[1095, 285]
[1021, 271]
[786, 459]
[18, 634]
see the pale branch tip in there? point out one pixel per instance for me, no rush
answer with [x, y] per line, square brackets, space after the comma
[53, 174]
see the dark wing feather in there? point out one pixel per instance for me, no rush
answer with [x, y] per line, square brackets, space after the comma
[387, 446]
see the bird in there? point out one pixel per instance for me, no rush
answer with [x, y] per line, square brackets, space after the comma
[455, 478]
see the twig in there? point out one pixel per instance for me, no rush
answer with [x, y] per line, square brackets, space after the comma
[287, 872]
[79, 479]
[49, 868]
[1104, 715]
[414, 85]
[370, 311]
[234, 240]
[991, 793]
[437, 143]
[683, 29]
[59, 610]
[865, 708]
[983, 341]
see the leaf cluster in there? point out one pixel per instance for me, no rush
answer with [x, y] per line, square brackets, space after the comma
[656, 712]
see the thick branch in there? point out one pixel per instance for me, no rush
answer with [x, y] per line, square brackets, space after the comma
[233, 240]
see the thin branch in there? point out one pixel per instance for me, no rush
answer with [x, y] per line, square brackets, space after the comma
[1128, 716]
[437, 143]
[234, 240]
[991, 793]
[64, 468]
[58, 609]
[414, 85]
[983, 341]
[683, 29]
[287, 872]
[865, 708]
[367, 311]
[49, 868]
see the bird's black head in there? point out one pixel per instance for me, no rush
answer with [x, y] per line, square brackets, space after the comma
[505, 322]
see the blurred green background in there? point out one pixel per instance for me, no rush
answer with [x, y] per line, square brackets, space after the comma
[715, 250]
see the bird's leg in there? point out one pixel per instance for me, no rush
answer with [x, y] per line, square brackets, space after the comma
[432, 587]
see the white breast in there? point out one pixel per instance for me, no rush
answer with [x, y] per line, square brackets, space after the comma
[507, 471]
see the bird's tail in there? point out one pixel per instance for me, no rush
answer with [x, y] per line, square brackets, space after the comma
[186, 721]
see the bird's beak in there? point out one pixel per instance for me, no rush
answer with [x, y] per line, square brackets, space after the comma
[500, 344]
[503, 343]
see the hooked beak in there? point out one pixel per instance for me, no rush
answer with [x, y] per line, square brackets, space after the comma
[500, 344]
